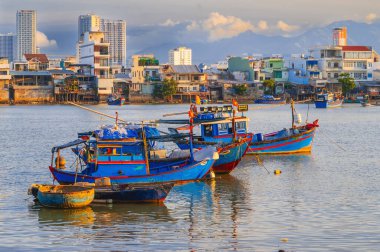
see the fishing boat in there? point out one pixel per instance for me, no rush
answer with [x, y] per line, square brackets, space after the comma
[148, 193]
[230, 152]
[122, 153]
[120, 193]
[112, 100]
[65, 196]
[327, 100]
[297, 139]
[270, 99]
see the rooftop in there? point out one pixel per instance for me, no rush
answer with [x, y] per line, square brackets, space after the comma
[185, 69]
[36, 57]
[34, 73]
[357, 48]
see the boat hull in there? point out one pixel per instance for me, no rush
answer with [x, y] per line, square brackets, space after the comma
[117, 102]
[229, 156]
[195, 171]
[300, 143]
[327, 104]
[134, 194]
[65, 196]
[261, 101]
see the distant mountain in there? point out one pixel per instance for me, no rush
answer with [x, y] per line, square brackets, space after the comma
[163, 39]
[160, 39]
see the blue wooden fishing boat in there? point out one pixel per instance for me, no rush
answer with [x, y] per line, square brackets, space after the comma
[148, 193]
[297, 139]
[327, 100]
[214, 124]
[269, 99]
[118, 193]
[123, 155]
[287, 141]
[111, 100]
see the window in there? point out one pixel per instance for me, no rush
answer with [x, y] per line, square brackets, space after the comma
[207, 130]
[240, 125]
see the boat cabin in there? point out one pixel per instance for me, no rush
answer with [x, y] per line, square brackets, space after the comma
[223, 130]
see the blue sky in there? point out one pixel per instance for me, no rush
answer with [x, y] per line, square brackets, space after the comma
[207, 20]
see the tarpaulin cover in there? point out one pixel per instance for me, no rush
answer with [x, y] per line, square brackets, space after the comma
[111, 133]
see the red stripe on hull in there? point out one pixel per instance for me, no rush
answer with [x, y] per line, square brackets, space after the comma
[225, 168]
[252, 147]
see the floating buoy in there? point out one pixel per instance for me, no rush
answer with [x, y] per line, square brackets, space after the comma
[284, 239]
[299, 118]
[276, 172]
[212, 174]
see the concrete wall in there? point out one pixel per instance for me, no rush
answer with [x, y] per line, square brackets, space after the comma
[3, 96]
[38, 94]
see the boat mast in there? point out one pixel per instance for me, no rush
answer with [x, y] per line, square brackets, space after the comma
[292, 106]
[233, 125]
[191, 121]
[145, 148]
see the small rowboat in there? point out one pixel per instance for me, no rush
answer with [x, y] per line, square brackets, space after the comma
[65, 196]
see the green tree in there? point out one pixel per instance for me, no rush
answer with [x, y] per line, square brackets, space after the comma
[240, 89]
[347, 82]
[269, 86]
[166, 89]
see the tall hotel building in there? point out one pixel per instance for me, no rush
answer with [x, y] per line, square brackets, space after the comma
[26, 28]
[180, 56]
[87, 23]
[8, 46]
[115, 34]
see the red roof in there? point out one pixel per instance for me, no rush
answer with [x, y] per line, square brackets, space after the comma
[40, 57]
[356, 48]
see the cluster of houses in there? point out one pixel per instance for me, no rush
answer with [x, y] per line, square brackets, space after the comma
[88, 76]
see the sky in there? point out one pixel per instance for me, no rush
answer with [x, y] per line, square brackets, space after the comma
[209, 20]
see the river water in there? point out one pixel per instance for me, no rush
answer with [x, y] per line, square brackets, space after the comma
[326, 201]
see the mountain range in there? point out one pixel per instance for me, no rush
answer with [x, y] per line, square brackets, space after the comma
[159, 39]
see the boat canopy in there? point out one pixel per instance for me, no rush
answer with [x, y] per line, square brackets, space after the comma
[69, 144]
[227, 120]
[111, 132]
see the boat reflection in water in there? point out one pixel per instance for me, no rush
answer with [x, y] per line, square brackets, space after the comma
[102, 214]
[62, 217]
[220, 205]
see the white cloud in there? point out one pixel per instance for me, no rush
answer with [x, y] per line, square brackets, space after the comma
[169, 22]
[263, 25]
[370, 17]
[43, 41]
[286, 27]
[192, 26]
[220, 27]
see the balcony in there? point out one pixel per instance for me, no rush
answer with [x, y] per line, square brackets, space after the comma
[101, 54]
[5, 77]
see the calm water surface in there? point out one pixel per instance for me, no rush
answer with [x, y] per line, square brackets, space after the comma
[326, 201]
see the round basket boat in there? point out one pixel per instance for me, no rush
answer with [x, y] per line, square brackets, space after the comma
[65, 196]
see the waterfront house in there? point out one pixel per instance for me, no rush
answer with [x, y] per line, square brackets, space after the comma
[191, 81]
[5, 79]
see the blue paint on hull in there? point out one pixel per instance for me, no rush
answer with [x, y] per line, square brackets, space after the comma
[300, 143]
[190, 172]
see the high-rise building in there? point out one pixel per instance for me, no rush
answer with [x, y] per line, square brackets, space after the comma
[8, 46]
[115, 34]
[87, 23]
[180, 56]
[26, 27]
